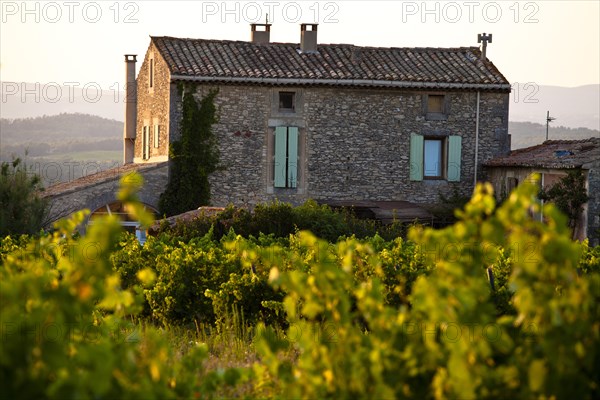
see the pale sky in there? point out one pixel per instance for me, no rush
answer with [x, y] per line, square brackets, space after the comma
[545, 42]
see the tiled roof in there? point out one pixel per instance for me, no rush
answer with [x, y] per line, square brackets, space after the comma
[94, 179]
[333, 64]
[185, 217]
[552, 154]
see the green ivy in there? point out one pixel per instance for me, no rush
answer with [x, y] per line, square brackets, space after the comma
[193, 157]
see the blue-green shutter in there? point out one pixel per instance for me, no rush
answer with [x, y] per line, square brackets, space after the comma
[416, 158]
[454, 151]
[280, 156]
[292, 164]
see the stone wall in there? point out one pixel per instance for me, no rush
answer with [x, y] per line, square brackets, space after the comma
[354, 143]
[153, 106]
[589, 223]
[94, 193]
[593, 206]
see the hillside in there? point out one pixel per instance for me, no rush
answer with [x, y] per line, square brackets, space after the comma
[63, 147]
[572, 107]
[525, 134]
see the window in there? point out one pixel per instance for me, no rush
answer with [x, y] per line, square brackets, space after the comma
[435, 103]
[156, 135]
[287, 101]
[435, 158]
[435, 107]
[146, 143]
[151, 74]
[285, 173]
[432, 158]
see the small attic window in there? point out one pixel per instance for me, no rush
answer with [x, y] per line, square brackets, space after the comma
[287, 101]
[435, 103]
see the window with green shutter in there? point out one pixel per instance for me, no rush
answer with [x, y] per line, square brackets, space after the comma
[285, 172]
[436, 157]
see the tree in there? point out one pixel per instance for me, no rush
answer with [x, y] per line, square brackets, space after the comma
[569, 194]
[22, 210]
[193, 157]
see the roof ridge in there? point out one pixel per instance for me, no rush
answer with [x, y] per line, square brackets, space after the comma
[334, 64]
[417, 48]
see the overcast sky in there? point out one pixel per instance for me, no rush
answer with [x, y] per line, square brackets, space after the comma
[545, 42]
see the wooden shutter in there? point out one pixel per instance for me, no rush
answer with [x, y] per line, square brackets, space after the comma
[279, 171]
[454, 154]
[156, 133]
[416, 158]
[292, 162]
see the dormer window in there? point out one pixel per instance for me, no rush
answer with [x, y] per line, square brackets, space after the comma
[287, 101]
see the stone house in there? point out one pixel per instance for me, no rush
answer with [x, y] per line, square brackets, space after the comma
[553, 159]
[331, 122]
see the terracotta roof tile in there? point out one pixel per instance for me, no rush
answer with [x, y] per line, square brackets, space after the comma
[222, 59]
[95, 179]
[552, 154]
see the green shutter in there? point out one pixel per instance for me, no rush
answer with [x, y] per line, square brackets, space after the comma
[292, 162]
[416, 158]
[279, 171]
[454, 149]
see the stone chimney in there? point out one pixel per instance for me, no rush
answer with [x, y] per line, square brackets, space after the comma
[130, 109]
[308, 38]
[260, 36]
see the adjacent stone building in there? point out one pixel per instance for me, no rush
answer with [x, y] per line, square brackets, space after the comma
[331, 122]
[553, 160]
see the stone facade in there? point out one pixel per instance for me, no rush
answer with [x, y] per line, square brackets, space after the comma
[354, 144]
[153, 107]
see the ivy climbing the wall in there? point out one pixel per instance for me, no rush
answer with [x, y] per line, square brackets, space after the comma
[193, 157]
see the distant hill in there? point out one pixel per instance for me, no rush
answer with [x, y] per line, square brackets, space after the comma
[31, 100]
[572, 107]
[525, 134]
[63, 147]
[62, 126]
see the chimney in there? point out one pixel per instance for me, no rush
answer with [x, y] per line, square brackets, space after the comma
[259, 36]
[308, 38]
[485, 39]
[130, 109]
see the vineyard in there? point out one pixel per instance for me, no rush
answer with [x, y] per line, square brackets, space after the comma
[498, 305]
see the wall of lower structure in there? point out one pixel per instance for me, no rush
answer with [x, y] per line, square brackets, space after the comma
[97, 194]
[354, 144]
[504, 180]
[593, 207]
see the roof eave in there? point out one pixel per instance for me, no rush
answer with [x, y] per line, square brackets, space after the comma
[346, 82]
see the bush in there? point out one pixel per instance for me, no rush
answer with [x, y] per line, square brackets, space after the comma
[281, 220]
[22, 210]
